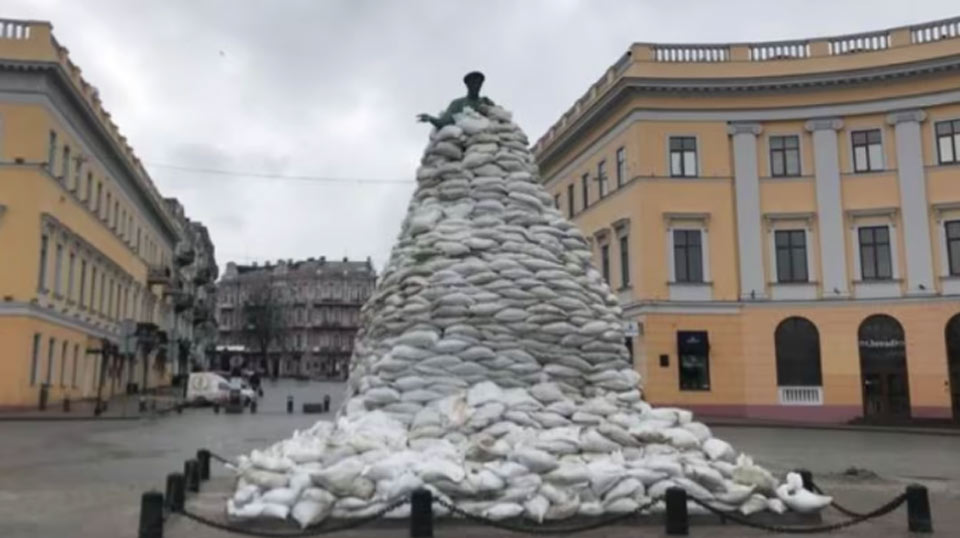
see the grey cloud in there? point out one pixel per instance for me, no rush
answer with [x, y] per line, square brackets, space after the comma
[331, 89]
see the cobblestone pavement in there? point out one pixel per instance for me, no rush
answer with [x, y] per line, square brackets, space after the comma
[84, 479]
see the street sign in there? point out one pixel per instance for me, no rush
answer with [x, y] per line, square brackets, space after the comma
[631, 329]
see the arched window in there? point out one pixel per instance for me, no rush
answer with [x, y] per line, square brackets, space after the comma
[798, 353]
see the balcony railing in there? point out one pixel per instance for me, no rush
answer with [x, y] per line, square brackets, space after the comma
[935, 31]
[159, 275]
[859, 43]
[786, 50]
[801, 395]
[10, 29]
[691, 53]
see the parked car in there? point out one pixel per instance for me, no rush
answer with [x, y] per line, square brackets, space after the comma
[205, 388]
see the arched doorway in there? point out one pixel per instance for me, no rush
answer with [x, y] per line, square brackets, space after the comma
[952, 335]
[797, 345]
[883, 368]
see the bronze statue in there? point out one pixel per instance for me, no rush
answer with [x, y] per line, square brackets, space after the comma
[473, 80]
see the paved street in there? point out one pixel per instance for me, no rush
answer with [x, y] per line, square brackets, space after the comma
[83, 479]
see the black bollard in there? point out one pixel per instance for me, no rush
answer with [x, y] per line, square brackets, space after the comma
[151, 515]
[44, 396]
[289, 404]
[677, 522]
[179, 409]
[918, 509]
[66, 404]
[326, 403]
[142, 405]
[421, 514]
[253, 407]
[175, 493]
[203, 460]
[191, 476]
[216, 408]
[807, 478]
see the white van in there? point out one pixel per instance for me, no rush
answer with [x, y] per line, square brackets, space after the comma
[208, 387]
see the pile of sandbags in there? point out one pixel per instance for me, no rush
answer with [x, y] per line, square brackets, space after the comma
[490, 368]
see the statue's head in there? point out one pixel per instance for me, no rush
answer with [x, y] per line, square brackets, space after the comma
[473, 80]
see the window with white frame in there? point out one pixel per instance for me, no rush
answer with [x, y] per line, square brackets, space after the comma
[785, 156]
[951, 231]
[876, 260]
[585, 190]
[688, 255]
[791, 255]
[621, 166]
[602, 178]
[948, 141]
[683, 156]
[867, 150]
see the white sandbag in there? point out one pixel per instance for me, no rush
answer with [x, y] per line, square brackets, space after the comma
[507, 469]
[438, 468]
[569, 473]
[581, 417]
[537, 461]
[269, 462]
[748, 473]
[754, 504]
[617, 434]
[598, 406]
[284, 496]
[547, 392]
[604, 474]
[593, 441]
[485, 481]
[623, 505]
[628, 487]
[245, 493]
[399, 486]
[307, 512]
[536, 508]
[681, 438]
[501, 511]
[717, 449]
[694, 489]
[735, 494]
[339, 478]
[278, 511]
[382, 395]
[265, 479]
[248, 511]
[798, 499]
[776, 506]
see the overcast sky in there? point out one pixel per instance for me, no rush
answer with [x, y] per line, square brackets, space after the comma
[331, 88]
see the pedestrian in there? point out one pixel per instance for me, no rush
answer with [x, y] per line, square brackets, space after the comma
[255, 383]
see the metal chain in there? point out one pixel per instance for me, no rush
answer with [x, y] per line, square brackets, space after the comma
[883, 510]
[349, 524]
[837, 506]
[221, 459]
[546, 530]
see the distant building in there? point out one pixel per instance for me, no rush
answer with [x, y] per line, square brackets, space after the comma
[780, 221]
[91, 253]
[292, 318]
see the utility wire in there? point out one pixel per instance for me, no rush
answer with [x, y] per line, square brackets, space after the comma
[263, 175]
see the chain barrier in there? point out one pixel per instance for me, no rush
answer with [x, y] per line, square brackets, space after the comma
[347, 525]
[883, 510]
[837, 506]
[221, 459]
[545, 530]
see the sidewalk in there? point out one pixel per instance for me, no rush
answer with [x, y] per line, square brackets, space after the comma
[938, 428]
[121, 407]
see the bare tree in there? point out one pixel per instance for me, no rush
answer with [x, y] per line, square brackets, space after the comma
[264, 321]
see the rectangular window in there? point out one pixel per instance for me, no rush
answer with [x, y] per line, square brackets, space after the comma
[952, 229]
[42, 277]
[106, 213]
[875, 258]
[556, 201]
[93, 289]
[585, 189]
[50, 351]
[687, 256]
[791, 247]
[77, 176]
[109, 311]
[103, 290]
[948, 141]
[683, 156]
[63, 363]
[625, 260]
[116, 215]
[570, 209]
[58, 270]
[602, 178]
[52, 152]
[605, 262]
[89, 189]
[70, 267]
[34, 359]
[784, 156]
[65, 165]
[621, 166]
[693, 353]
[83, 283]
[76, 358]
[867, 150]
[98, 202]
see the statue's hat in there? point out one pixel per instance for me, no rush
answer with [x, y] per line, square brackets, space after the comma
[473, 76]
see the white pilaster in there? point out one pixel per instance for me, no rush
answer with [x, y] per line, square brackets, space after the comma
[833, 254]
[747, 187]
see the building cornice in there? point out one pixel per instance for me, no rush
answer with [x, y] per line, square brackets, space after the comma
[627, 87]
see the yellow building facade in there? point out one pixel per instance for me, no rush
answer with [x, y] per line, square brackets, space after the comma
[781, 221]
[86, 241]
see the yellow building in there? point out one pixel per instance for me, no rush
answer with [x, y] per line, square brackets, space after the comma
[87, 244]
[780, 220]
